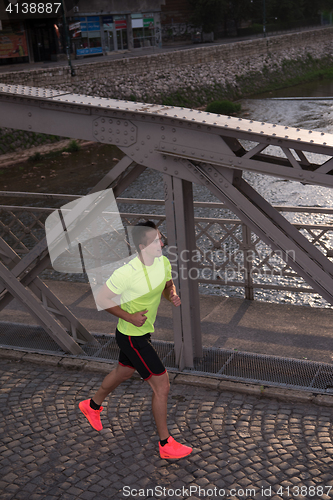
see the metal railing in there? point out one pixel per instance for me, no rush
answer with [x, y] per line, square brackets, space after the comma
[227, 253]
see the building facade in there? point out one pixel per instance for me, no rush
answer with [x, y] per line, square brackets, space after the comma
[42, 31]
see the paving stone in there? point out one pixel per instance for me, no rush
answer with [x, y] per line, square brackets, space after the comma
[48, 449]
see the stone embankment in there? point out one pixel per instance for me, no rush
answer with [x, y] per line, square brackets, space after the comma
[195, 76]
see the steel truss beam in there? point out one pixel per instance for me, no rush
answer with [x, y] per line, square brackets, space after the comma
[194, 146]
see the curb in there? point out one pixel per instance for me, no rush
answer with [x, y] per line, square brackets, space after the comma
[208, 382]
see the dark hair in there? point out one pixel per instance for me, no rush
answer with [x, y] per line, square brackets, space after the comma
[139, 232]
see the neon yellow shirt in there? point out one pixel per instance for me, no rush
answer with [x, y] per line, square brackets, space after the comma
[140, 288]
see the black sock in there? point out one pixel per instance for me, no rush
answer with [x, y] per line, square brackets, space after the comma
[164, 441]
[93, 405]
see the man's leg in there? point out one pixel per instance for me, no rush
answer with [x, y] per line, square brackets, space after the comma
[91, 408]
[169, 448]
[160, 385]
[111, 381]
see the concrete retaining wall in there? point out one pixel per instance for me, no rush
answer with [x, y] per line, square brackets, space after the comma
[317, 42]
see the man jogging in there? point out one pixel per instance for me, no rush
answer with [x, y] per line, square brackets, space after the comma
[133, 294]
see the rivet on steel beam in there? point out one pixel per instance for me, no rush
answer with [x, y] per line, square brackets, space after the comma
[29, 114]
[226, 185]
[176, 172]
[165, 168]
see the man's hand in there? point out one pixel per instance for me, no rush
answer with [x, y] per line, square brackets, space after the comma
[174, 298]
[138, 318]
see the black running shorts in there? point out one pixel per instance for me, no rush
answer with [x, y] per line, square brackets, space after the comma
[138, 352]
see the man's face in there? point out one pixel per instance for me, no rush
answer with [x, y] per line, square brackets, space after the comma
[154, 244]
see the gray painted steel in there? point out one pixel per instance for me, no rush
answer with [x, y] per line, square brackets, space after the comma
[188, 146]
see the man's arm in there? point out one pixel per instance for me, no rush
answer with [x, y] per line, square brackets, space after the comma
[170, 293]
[105, 301]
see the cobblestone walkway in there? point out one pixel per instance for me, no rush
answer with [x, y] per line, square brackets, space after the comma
[244, 446]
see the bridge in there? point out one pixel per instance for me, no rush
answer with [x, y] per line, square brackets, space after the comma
[186, 146]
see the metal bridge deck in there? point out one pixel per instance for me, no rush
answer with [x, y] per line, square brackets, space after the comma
[224, 364]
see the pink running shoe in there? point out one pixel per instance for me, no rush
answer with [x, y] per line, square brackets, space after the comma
[92, 415]
[173, 449]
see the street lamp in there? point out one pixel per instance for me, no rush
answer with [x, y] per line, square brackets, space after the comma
[67, 39]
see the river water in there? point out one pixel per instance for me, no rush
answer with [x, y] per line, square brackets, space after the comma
[307, 106]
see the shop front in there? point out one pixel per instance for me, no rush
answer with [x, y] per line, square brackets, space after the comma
[121, 32]
[108, 30]
[88, 38]
[143, 26]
